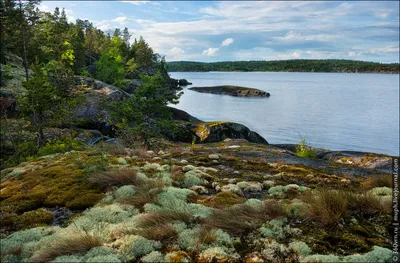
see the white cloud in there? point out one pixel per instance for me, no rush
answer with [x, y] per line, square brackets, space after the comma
[227, 42]
[44, 8]
[293, 36]
[122, 20]
[136, 2]
[387, 49]
[175, 53]
[210, 51]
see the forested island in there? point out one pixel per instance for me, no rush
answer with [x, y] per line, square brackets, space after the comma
[294, 65]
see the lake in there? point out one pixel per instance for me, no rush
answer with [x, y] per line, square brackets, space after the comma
[336, 111]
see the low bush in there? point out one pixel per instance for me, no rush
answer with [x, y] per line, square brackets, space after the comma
[60, 146]
[305, 151]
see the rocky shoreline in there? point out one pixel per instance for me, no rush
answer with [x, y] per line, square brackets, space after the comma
[231, 90]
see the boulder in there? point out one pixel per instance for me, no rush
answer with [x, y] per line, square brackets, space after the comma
[208, 132]
[184, 82]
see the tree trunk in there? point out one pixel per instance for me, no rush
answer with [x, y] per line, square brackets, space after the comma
[23, 41]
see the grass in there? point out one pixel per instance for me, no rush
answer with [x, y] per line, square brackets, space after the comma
[104, 180]
[381, 180]
[242, 219]
[305, 151]
[146, 192]
[329, 206]
[158, 225]
[79, 243]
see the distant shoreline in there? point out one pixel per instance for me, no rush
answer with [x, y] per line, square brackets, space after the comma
[238, 71]
[320, 66]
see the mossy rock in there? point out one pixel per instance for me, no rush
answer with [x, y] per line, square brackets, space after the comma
[226, 199]
[34, 218]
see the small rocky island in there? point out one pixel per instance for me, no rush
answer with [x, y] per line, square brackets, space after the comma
[236, 91]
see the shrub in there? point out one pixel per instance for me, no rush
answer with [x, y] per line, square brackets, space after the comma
[81, 242]
[305, 151]
[60, 146]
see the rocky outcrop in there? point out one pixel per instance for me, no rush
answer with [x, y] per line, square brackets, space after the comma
[232, 91]
[184, 82]
[207, 132]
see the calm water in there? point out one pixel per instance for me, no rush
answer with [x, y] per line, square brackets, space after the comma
[331, 110]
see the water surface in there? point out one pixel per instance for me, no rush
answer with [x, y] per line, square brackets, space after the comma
[331, 110]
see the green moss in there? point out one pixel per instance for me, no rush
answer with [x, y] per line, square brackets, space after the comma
[226, 199]
[34, 218]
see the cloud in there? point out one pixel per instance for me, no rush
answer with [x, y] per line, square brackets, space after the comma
[227, 42]
[210, 51]
[136, 2]
[175, 53]
[122, 20]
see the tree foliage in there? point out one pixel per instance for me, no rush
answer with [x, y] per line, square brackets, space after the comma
[145, 114]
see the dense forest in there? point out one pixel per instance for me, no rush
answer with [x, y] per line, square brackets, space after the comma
[295, 65]
[52, 72]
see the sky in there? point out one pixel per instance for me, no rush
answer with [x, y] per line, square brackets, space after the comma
[210, 31]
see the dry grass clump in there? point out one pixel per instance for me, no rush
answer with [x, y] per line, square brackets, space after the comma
[177, 174]
[158, 225]
[329, 206]
[108, 179]
[367, 204]
[241, 219]
[116, 149]
[162, 217]
[82, 242]
[140, 152]
[161, 232]
[146, 192]
[381, 180]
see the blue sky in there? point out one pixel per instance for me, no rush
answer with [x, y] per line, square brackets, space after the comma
[251, 30]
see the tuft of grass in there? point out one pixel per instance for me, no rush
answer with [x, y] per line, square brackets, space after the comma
[104, 180]
[381, 180]
[146, 192]
[329, 206]
[116, 149]
[305, 151]
[239, 220]
[79, 243]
